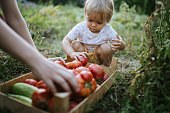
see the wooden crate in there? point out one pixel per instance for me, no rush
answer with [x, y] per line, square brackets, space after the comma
[61, 103]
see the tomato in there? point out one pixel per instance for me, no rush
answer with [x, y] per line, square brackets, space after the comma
[60, 62]
[97, 71]
[68, 65]
[40, 98]
[73, 65]
[83, 60]
[31, 82]
[41, 85]
[105, 77]
[80, 69]
[86, 83]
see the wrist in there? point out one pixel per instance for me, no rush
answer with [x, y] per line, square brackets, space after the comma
[34, 60]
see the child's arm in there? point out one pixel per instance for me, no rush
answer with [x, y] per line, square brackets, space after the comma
[120, 45]
[66, 43]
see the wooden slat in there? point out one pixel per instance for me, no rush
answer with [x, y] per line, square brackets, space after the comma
[5, 87]
[61, 102]
[14, 106]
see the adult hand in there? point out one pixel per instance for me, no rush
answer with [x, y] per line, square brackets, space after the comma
[57, 59]
[76, 55]
[52, 74]
[119, 45]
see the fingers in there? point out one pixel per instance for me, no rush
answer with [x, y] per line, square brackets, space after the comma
[70, 78]
[51, 85]
[62, 82]
[58, 59]
[114, 49]
[118, 37]
[116, 44]
[52, 59]
[84, 54]
[72, 81]
[77, 55]
[116, 41]
[61, 59]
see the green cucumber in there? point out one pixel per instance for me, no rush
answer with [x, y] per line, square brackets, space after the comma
[23, 89]
[21, 98]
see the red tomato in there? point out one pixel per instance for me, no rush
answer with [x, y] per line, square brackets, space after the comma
[86, 83]
[31, 82]
[105, 77]
[40, 98]
[80, 69]
[75, 64]
[41, 85]
[83, 60]
[68, 65]
[97, 71]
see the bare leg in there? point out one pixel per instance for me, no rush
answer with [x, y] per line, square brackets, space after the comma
[105, 53]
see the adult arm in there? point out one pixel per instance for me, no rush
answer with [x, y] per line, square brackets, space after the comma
[15, 20]
[43, 68]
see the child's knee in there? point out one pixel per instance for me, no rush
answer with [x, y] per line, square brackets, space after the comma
[104, 49]
[77, 46]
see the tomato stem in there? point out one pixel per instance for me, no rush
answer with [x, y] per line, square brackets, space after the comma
[88, 85]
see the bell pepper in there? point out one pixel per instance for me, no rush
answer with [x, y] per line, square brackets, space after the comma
[86, 83]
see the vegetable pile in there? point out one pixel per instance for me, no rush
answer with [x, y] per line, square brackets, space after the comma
[37, 93]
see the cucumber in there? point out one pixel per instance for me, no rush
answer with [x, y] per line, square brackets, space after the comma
[23, 89]
[21, 98]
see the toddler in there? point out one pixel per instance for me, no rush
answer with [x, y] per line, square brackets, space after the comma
[90, 38]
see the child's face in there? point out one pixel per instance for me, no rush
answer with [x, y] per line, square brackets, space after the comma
[95, 23]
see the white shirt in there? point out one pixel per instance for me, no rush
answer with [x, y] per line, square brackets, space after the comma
[91, 40]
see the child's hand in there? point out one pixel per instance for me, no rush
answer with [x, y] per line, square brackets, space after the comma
[76, 55]
[120, 45]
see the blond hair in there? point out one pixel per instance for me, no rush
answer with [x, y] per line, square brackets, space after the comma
[104, 8]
